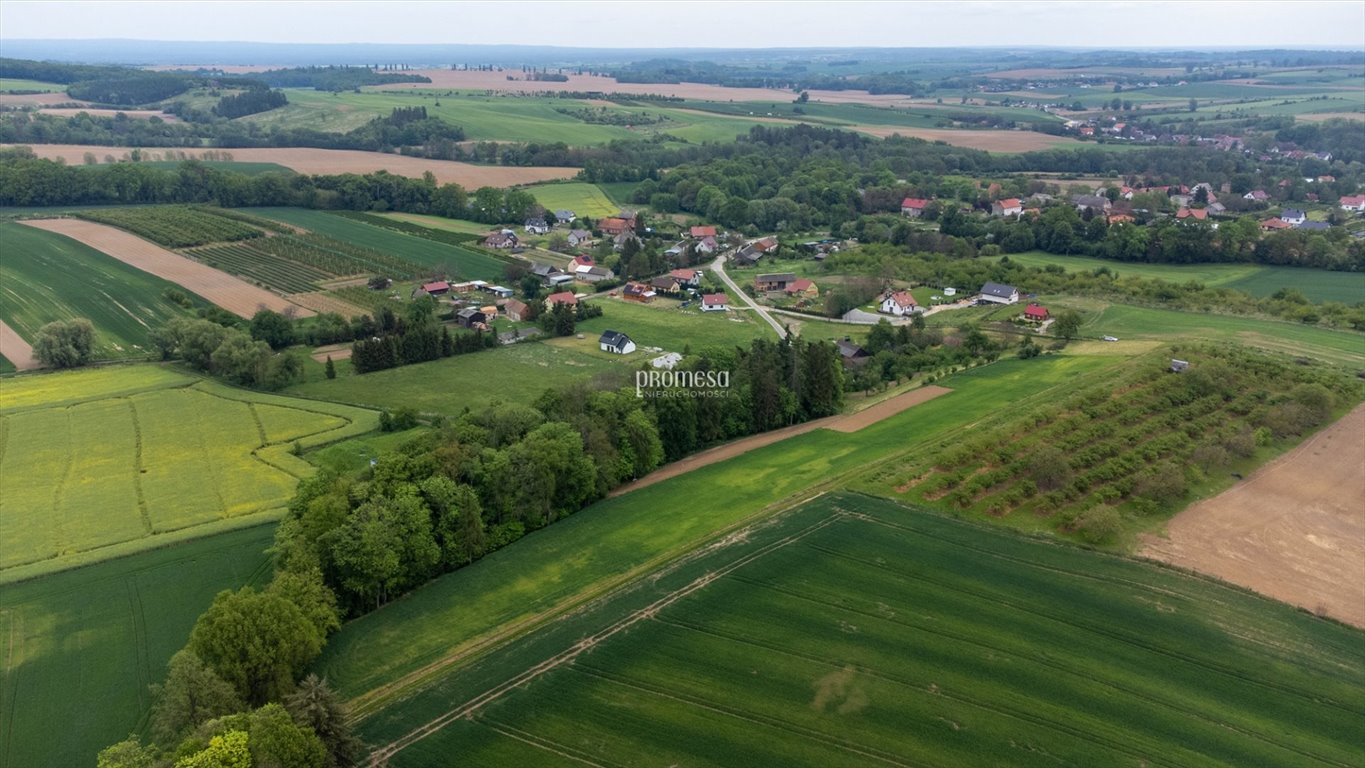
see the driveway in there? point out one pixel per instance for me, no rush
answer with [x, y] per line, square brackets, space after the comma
[719, 267]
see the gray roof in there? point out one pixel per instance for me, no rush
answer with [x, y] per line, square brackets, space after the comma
[999, 290]
[564, 215]
[849, 349]
[859, 316]
[777, 277]
[1316, 226]
[1292, 213]
[614, 339]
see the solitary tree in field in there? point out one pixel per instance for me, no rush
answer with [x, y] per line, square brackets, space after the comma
[331, 368]
[1067, 325]
[64, 343]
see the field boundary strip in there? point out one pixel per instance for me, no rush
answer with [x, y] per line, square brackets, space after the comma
[16, 350]
[381, 756]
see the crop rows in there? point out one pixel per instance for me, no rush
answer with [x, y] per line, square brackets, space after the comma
[336, 257]
[174, 226]
[261, 267]
[410, 228]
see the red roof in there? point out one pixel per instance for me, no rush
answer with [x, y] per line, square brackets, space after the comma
[1275, 224]
[563, 297]
[613, 225]
[1352, 200]
[1034, 310]
[440, 286]
[686, 275]
[715, 298]
[583, 260]
[913, 202]
[1197, 213]
[703, 231]
[903, 299]
[800, 286]
[1011, 202]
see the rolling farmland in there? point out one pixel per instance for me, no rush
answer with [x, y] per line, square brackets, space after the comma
[100, 463]
[856, 631]
[45, 277]
[455, 260]
[103, 634]
[586, 200]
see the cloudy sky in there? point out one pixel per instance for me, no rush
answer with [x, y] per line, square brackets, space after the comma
[641, 23]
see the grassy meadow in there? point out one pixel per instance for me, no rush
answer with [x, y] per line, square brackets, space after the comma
[586, 200]
[80, 647]
[102, 462]
[45, 276]
[856, 631]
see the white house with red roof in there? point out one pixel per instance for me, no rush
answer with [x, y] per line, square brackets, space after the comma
[1352, 203]
[714, 302]
[1035, 313]
[689, 278]
[1257, 195]
[563, 297]
[900, 304]
[913, 207]
[1008, 207]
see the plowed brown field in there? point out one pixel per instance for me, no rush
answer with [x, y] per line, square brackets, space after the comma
[1294, 531]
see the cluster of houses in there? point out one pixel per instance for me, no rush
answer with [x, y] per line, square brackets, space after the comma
[704, 241]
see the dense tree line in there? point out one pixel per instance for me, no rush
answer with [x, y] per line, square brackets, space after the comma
[112, 85]
[336, 78]
[249, 102]
[222, 348]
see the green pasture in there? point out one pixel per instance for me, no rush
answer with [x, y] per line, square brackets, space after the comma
[80, 647]
[855, 631]
[514, 374]
[45, 276]
[99, 463]
[440, 222]
[662, 324]
[586, 200]
[1317, 285]
[454, 260]
[8, 84]
[629, 535]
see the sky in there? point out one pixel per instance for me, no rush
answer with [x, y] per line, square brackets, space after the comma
[1195, 24]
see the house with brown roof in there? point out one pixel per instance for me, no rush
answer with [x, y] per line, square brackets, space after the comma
[515, 310]
[1274, 223]
[613, 226]
[664, 284]
[563, 297]
[637, 291]
[501, 240]
[689, 278]
[803, 288]
[774, 281]
[900, 304]
[714, 302]
[696, 233]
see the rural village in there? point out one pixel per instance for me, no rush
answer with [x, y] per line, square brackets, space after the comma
[512, 402]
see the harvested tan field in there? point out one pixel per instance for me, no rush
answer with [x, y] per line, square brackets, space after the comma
[1295, 530]
[332, 161]
[141, 114]
[851, 422]
[14, 349]
[497, 81]
[233, 294]
[991, 141]
[1321, 116]
[36, 99]
[319, 301]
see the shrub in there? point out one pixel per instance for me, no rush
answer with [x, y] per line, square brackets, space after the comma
[1099, 525]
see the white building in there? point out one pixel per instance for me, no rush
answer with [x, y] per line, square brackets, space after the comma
[1000, 294]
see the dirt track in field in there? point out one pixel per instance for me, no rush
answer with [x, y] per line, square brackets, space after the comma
[844, 423]
[231, 293]
[1294, 530]
[16, 350]
[991, 141]
[321, 301]
[334, 161]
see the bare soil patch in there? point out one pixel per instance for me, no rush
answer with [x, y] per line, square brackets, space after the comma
[843, 423]
[231, 293]
[991, 141]
[139, 114]
[16, 350]
[1294, 530]
[334, 161]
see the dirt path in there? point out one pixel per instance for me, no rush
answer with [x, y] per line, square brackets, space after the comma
[851, 422]
[231, 293]
[16, 350]
[1294, 530]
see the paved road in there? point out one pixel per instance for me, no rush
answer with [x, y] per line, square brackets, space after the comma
[719, 267]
